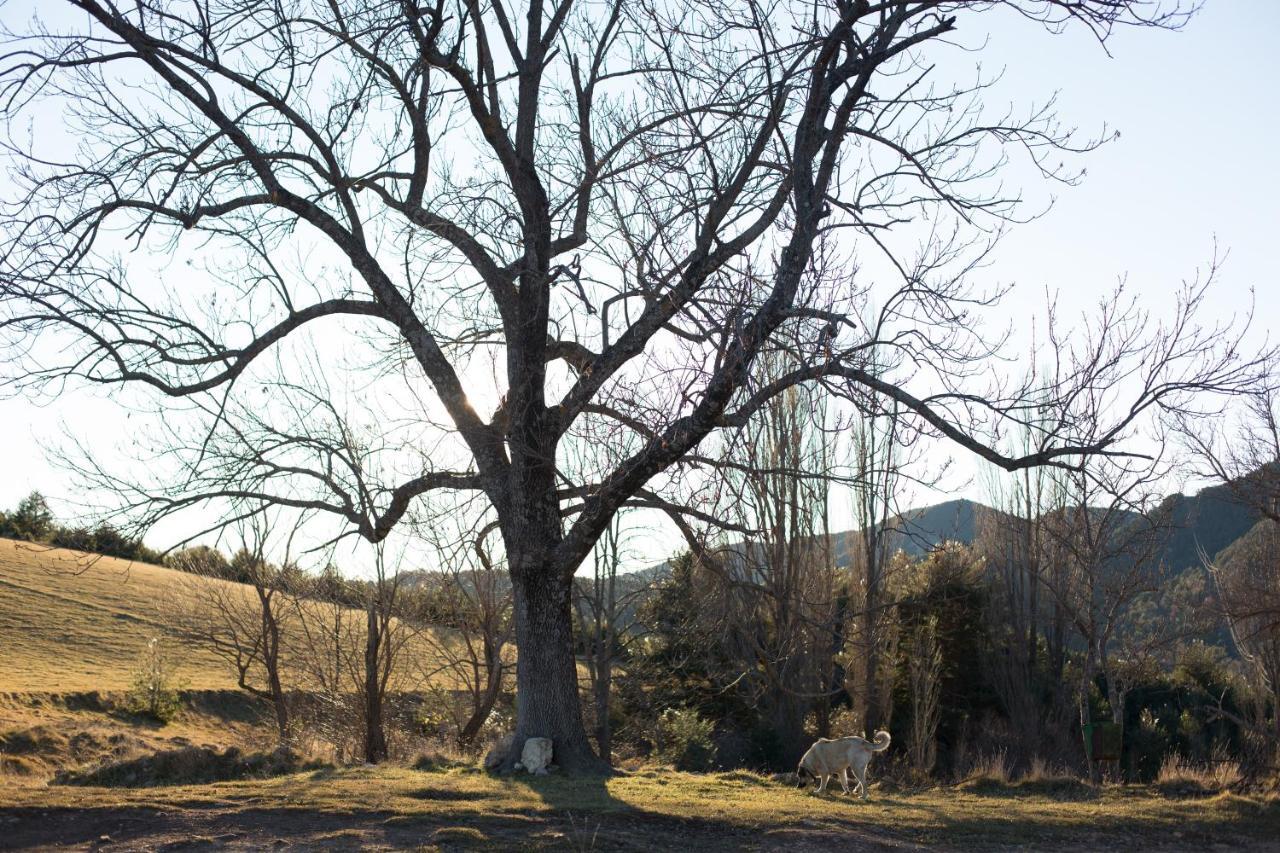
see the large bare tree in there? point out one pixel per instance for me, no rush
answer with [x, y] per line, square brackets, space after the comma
[611, 209]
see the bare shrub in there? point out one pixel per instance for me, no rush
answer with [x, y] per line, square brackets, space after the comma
[1216, 774]
[154, 691]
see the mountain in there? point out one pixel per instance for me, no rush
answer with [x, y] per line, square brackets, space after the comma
[1205, 523]
[1202, 523]
[918, 531]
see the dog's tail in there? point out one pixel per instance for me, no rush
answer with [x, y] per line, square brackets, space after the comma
[881, 742]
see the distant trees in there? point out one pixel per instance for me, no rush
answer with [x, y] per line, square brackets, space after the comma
[33, 521]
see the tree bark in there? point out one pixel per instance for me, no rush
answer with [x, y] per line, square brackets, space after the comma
[547, 703]
[375, 740]
[271, 662]
[488, 698]
[604, 731]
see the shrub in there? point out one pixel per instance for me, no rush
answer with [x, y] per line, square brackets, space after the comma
[1181, 776]
[153, 692]
[200, 560]
[684, 740]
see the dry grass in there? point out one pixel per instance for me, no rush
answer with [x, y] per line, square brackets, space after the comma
[1181, 775]
[70, 633]
[73, 624]
[651, 809]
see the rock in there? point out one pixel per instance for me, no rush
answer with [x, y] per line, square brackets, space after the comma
[536, 755]
[497, 754]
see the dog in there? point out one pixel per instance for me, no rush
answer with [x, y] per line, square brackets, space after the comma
[828, 757]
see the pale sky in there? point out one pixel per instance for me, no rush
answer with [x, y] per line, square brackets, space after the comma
[1199, 116]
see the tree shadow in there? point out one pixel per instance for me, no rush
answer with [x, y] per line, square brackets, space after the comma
[592, 817]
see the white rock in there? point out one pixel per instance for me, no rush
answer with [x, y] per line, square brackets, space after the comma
[536, 755]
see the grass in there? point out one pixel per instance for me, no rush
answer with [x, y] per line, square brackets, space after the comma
[71, 624]
[70, 634]
[650, 809]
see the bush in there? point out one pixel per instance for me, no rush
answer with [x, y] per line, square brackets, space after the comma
[200, 560]
[1183, 777]
[684, 740]
[153, 692]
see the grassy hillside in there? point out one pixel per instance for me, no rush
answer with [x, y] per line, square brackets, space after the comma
[69, 623]
[76, 623]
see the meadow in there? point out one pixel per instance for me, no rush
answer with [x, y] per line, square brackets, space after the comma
[71, 629]
[648, 809]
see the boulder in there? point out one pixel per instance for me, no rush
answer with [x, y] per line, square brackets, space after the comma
[536, 756]
[497, 754]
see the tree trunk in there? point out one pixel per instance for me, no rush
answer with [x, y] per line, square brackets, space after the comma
[604, 732]
[547, 703]
[278, 698]
[493, 687]
[375, 740]
[788, 723]
[271, 662]
[1086, 717]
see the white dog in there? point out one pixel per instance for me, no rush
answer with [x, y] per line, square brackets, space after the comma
[828, 757]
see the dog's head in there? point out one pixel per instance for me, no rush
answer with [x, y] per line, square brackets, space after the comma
[800, 780]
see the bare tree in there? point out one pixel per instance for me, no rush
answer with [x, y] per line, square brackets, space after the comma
[605, 606]
[877, 451]
[924, 667]
[1012, 542]
[327, 655]
[779, 585]
[243, 624]
[1247, 578]
[466, 606]
[385, 638]
[1240, 447]
[1105, 541]
[615, 209]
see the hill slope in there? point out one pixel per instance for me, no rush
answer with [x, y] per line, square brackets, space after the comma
[70, 623]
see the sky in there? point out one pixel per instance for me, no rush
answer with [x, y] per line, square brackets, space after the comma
[1198, 113]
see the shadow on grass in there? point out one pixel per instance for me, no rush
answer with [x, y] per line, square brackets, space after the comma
[1064, 789]
[557, 812]
[590, 817]
[146, 827]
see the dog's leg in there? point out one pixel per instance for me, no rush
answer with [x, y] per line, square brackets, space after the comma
[861, 774]
[844, 780]
[822, 783]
